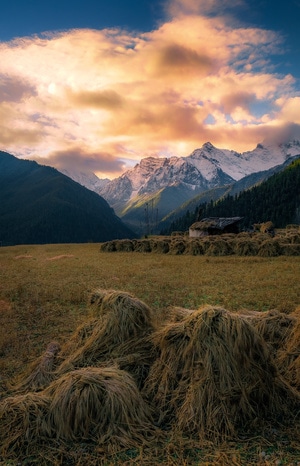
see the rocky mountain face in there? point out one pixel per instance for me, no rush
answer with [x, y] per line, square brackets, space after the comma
[206, 168]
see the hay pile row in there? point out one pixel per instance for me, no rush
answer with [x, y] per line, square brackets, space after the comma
[242, 244]
[120, 382]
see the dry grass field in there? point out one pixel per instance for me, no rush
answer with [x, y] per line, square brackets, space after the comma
[44, 297]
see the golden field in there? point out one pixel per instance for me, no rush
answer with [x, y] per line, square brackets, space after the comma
[44, 292]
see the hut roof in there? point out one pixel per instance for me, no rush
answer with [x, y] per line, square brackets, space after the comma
[215, 222]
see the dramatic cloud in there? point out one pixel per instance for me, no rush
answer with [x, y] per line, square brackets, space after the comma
[102, 100]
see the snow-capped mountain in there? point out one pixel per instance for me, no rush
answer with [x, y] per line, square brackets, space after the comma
[88, 180]
[206, 168]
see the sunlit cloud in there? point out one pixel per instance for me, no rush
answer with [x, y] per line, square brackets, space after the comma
[102, 100]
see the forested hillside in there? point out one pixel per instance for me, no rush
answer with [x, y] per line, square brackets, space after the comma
[40, 205]
[276, 199]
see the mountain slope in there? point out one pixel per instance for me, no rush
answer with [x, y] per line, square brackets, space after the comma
[205, 169]
[41, 205]
[220, 192]
[276, 199]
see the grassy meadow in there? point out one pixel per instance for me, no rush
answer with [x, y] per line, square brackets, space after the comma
[43, 297]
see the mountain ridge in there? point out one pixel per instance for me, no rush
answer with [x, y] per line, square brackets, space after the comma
[41, 205]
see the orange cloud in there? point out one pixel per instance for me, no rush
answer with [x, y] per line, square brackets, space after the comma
[102, 100]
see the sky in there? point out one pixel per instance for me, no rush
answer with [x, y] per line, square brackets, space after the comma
[96, 86]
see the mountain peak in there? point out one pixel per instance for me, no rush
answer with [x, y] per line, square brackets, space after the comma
[208, 146]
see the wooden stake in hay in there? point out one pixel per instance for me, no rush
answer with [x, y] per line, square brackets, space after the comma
[121, 336]
[23, 423]
[215, 376]
[41, 373]
[99, 404]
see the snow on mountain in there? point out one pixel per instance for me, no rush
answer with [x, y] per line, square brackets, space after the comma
[89, 180]
[205, 168]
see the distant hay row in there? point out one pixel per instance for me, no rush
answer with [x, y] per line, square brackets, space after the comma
[122, 382]
[242, 244]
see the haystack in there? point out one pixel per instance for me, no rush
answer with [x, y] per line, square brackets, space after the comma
[161, 246]
[125, 245]
[23, 423]
[194, 247]
[99, 404]
[78, 339]
[289, 356]
[41, 372]
[177, 246]
[108, 246]
[215, 376]
[143, 245]
[275, 327]
[121, 336]
[245, 246]
[269, 248]
[219, 247]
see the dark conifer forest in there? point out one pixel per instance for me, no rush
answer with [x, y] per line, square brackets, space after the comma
[277, 199]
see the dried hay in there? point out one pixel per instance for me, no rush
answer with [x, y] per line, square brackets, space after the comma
[269, 248]
[219, 247]
[215, 376]
[161, 246]
[290, 249]
[143, 245]
[108, 246]
[275, 327]
[125, 245]
[125, 306]
[177, 246]
[78, 339]
[289, 357]
[245, 247]
[194, 247]
[23, 423]
[41, 373]
[121, 336]
[177, 314]
[99, 404]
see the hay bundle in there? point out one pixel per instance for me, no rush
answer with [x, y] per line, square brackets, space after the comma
[245, 246]
[99, 404]
[134, 314]
[194, 247]
[143, 245]
[219, 247]
[78, 339]
[161, 246]
[290, 249]
[177, 246]
[269, 248]
[214, 376]
[177, 314]
[275, 327]
[41, 373]
[121, 336]
[289, 357]
[108, 246]
[23, 423]
[125, 245]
